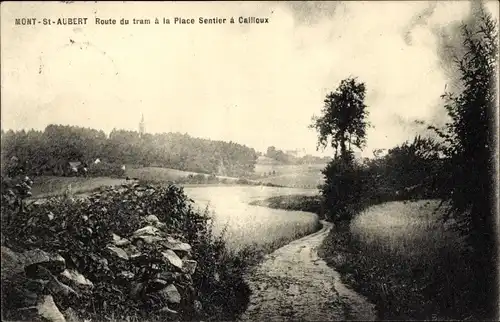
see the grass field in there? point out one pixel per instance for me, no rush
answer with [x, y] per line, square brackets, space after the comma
[297, 176]
[405, 229]
[157, 174]
[405, 260]
[45, 186]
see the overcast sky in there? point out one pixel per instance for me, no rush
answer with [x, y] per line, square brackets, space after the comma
[257, 85]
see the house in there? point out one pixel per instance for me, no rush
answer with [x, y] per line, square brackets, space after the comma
[97, 161]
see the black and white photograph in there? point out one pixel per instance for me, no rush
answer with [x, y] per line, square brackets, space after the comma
[249, 161]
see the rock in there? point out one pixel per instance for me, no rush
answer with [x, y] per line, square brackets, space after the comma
[57, 287]
[170, 294]
[172, 258]
[156, 285]
[177, 245]
[71, 315]
[150, 239]
[189, 266]
[119, 241]
[118, 252]
[36, 285]
[148, 230]
[170, 276]
[12, 263]
[152, 219]
[49, 311]
[76, 278]
[55, 263]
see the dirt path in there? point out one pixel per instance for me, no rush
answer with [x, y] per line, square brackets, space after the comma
[293, 283]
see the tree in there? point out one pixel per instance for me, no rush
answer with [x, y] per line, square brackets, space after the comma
[470, 144]
[343, 125]
[343, 121]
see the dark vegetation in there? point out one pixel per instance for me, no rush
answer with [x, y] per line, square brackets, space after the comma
[456, 165]
[49, 152]
[141, 252]
[293, 202]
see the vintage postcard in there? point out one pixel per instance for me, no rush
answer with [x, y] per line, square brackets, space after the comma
[249, 161]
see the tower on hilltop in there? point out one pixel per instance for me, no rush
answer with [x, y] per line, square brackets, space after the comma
[142, 127]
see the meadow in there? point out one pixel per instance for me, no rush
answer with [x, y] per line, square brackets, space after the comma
[307, 176]
[46, 186]
[158, 174]
[404, 259]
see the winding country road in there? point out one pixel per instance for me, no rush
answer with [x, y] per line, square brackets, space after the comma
[294, 284]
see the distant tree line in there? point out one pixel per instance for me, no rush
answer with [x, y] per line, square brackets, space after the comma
[49, 151]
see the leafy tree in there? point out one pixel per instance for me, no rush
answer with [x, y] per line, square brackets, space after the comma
[343, 121]
[469, 137]
[343, 125]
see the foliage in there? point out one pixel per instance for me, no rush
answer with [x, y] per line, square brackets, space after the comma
[343, 124]
[105, 169]
[80, 230]
[342, 189]
[49, 151]
[411, 170]
[343, 117]
[293, 202]
[15, 187]
[469, 138]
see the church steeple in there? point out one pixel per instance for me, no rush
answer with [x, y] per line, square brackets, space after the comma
[142, 128]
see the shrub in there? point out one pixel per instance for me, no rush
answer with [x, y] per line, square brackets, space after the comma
[87, 234]
[104, 169]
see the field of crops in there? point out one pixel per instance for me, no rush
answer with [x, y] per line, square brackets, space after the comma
[246, 225]
[408, 229]
[406, 260]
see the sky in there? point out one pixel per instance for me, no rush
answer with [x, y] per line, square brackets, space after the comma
[255, 84]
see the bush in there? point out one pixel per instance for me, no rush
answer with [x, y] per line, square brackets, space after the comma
[88, 234]
[312, 204]
[104, 169]
[342, 190]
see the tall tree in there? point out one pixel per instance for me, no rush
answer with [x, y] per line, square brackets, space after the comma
[343, 122]
[470, 136]
[342, 125]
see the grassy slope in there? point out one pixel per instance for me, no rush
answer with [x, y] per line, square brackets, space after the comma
[299, 176]
[45, 186]
[163, 174]
[401, 256]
